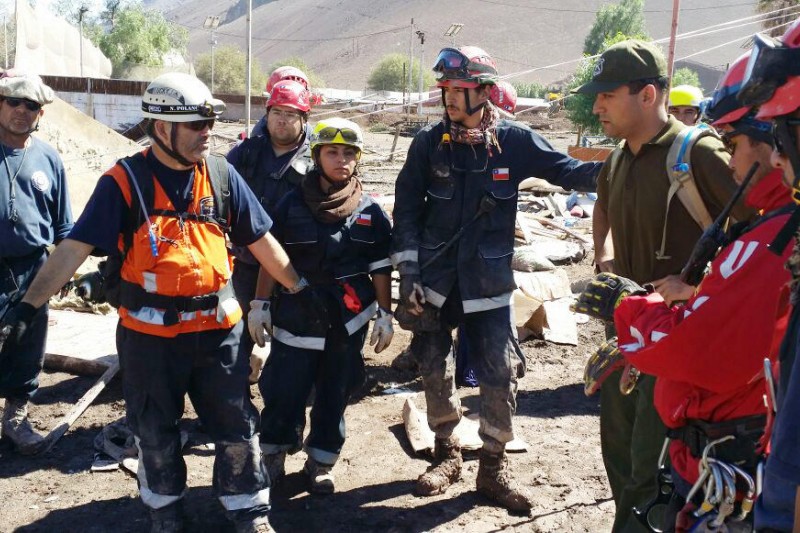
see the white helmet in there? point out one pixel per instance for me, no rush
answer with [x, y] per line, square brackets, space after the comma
[178, 97]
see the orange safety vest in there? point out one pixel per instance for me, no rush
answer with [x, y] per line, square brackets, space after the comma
[192, 261]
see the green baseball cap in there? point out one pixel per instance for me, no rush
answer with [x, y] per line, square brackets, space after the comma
[624, 62]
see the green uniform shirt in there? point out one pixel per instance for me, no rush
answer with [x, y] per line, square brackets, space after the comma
[635, 199]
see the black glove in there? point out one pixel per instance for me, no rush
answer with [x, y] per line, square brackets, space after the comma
[603, 295]
[16, 323]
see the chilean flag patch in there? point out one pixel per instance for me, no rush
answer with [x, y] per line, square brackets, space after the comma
[500, 174]
[364, 219]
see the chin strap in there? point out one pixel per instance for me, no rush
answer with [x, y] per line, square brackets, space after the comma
[169, 151]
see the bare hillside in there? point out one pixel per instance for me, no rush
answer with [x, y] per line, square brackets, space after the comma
[342, 39]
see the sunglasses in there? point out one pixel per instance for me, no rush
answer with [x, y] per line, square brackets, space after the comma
[199, 125]
[770, 65]
[779, 132]
[727, 140]
[30, 105]
[329, 134]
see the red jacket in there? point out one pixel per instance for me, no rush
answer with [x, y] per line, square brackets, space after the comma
[707, 353]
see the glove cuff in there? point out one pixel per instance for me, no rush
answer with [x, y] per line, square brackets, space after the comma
[259, 304]
[384, 312]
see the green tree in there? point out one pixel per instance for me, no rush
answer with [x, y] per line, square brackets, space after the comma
[141, 37]
[387, 75]
[296, 62]
[627, 18]
[230, 65]
[685, 76]
[530, 90]
[776, 22]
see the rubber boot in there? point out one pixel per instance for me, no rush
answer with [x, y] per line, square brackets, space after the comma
[322, 480]
[445, 470]
[18, 430]
[167, 519]
[275, 463]
[495, 482]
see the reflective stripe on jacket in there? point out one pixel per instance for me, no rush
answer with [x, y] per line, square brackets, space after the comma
[192, 261]
[337, 259]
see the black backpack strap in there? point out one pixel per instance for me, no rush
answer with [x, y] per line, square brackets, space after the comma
[219, 174]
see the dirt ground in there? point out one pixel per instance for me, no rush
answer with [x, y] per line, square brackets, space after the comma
[56, 492]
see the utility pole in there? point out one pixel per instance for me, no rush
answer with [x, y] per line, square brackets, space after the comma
[676, 8]
[410, 61]
[248, 76]
[5, 40]
[421, 35]
[81, 12]
[212, 23]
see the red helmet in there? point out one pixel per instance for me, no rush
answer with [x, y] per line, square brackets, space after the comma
[290, 93]
[725, 107]
[504, 96]
[467, 67]
[286, 73]
[786, 97]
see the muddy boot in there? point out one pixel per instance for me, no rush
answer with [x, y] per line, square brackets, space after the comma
[495, 482]
[322, 480]
[167, 519]
[446, 468]
[18, 430]
[275, 465]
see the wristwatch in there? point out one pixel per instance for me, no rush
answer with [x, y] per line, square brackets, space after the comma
[299, 286]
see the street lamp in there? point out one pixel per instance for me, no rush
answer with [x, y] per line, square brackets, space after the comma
[421, 35]
[212, 23]
[452, 31]
[81, 12]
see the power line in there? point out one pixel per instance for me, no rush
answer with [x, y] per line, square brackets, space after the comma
[557, 10]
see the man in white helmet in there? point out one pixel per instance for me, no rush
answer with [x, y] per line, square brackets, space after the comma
[162, 219]
[34, 214]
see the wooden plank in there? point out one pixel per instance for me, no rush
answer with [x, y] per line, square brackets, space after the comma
[76, 338]
[77, 410]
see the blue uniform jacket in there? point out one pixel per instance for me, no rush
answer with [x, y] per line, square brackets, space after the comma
[336, 259]
[440, 189]
[268, 176]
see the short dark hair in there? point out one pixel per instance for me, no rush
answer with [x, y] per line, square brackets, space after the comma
[635, 87]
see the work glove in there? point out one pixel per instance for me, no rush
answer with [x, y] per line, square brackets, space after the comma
[382, 331]
[15, 324]
[603, 294]
[259, 322]
[411, 294]
[600, 365]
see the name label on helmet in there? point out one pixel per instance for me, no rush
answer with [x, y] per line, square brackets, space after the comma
[168, 91]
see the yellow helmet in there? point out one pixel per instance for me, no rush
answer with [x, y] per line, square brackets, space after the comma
[685, 95]
[337, 131]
